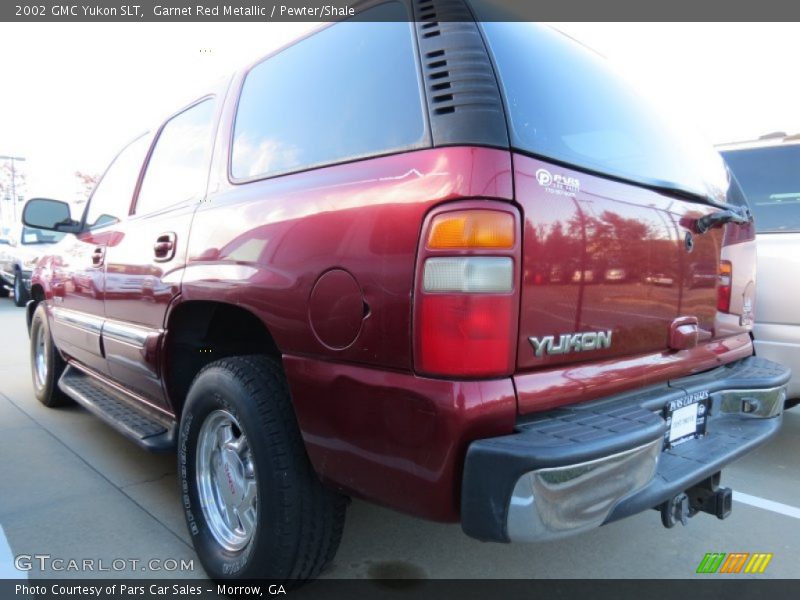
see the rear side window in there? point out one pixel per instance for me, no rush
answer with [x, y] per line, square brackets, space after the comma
[770, 178]
[349, 91]
[564, 102]
[178, 167]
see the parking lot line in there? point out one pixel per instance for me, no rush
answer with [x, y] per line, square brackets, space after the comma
[7, 570]
[777, 507]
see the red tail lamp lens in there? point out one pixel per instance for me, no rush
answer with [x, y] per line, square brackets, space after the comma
[466, 334]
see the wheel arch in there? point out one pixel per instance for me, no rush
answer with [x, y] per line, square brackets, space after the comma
[37, 295]
[199, 332]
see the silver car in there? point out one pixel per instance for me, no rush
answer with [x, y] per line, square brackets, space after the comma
[769, 172]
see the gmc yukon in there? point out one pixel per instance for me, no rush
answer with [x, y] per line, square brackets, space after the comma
[449, 265]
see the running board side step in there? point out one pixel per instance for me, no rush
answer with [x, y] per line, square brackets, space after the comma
[148, 430]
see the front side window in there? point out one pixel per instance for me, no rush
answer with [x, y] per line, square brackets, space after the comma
[178, 167]
[349, 91]
[111, 200]
[770, 178]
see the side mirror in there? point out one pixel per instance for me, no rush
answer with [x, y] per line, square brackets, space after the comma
[50, 215]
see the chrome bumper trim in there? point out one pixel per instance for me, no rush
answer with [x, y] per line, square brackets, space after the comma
[556, 502]
[759, 404]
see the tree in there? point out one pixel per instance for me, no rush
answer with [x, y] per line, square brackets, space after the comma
[86, 183]
[8, 183]
[12, 181]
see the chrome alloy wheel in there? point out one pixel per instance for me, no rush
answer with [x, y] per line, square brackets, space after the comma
[40, 357]
[226, 480]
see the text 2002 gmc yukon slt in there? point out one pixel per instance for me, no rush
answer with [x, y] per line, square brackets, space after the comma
[453, 268]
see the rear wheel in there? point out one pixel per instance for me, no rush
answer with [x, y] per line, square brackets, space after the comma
[46, 363]
[21, 295]
[253, 504]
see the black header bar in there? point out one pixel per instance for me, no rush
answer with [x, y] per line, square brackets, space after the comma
[329, 10]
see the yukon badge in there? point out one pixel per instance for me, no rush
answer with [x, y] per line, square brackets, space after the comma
[571, 342]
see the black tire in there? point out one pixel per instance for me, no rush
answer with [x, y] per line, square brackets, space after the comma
[21, 295]
[298, 523]
[46, 388]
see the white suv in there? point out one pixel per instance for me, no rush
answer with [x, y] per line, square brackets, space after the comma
[769, 172]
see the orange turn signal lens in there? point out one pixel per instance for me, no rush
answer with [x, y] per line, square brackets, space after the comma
[472, 229]
[724, 286]
[725, 272]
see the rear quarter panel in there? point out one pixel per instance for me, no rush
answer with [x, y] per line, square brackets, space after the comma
[372, 429]
[264, 245]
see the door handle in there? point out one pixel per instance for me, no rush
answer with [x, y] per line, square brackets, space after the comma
[164, 248]
[98, 255]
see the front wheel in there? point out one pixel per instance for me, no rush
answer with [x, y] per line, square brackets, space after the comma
[21, 295]
[253, 504]
[46, 363]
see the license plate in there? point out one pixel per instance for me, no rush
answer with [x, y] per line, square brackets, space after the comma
[686, 419]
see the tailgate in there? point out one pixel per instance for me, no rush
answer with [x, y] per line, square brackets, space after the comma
[607, 267]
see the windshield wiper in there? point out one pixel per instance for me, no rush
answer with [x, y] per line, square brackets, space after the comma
[740, 215]
[728, 213]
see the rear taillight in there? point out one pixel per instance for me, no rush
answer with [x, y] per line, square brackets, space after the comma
[724, 284]
[466, 303]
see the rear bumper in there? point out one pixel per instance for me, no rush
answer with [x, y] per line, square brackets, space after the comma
[576, 468]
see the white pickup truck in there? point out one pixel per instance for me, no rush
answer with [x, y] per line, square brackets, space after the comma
[19, 252]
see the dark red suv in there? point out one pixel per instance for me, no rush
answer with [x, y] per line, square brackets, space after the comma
[447, 266]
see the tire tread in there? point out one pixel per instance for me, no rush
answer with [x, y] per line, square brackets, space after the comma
[305, 550]
[50, 395]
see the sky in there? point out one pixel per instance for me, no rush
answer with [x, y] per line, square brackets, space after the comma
[72, 94]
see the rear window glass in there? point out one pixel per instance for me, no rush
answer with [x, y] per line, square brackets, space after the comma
[564, 102]
[770, 178]
[348, 91]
